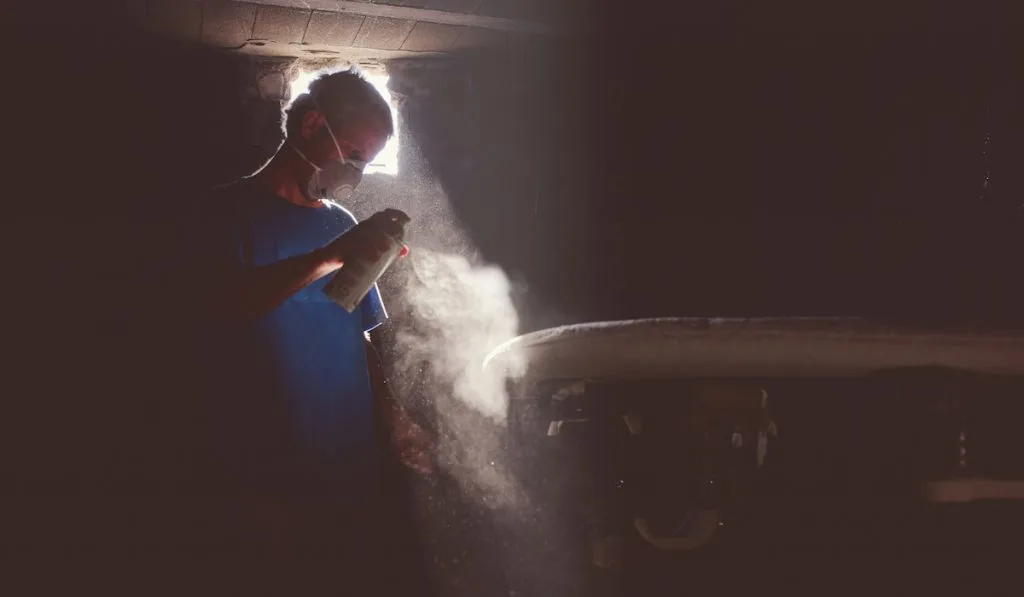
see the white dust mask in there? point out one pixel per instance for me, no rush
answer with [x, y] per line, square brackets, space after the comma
[337, 180]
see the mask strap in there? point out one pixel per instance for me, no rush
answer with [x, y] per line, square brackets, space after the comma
[303, 156]
[333, 138]
[337, 145]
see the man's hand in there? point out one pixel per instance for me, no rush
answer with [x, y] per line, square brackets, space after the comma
[413, 445]
[370, 238]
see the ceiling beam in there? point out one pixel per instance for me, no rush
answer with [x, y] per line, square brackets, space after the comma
[416, 14]
[361, 56]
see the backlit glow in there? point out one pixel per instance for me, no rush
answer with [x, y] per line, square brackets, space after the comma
[387, 160]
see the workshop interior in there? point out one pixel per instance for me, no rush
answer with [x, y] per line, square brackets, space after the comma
[699, 298]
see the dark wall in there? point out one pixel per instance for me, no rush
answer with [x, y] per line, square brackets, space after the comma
[783, 165]
[107, 133]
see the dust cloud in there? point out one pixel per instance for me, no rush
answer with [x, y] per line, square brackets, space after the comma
[480, 519]
[458, 312]
[449, 309]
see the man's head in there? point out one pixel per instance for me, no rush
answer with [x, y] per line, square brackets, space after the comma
[342, 118]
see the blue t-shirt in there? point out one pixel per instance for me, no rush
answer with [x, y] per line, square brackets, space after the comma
[288, 393]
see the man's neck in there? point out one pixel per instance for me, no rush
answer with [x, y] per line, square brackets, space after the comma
[282, 174]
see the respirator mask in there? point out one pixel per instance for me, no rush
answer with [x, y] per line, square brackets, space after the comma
[337, 180]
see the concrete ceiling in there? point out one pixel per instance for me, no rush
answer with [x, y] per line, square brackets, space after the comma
[350, 30]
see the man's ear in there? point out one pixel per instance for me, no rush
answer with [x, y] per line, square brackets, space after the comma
[311, 123]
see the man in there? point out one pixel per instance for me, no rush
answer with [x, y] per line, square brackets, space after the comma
[292, 380]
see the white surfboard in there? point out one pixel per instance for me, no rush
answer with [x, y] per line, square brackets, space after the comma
[761, 348]
[676, 348]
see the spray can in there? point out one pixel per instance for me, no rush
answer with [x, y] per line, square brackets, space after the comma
[357, 276]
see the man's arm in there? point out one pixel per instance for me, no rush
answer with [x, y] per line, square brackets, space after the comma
[254, 292]
[378, 381]
[260, 290]
[410, 441]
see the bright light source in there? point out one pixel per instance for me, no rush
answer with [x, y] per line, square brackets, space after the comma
[301, 83]
[387, 160]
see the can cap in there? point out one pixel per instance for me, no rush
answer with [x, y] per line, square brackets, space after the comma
[395, 215]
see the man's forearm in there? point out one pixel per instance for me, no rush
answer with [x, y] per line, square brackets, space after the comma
[378, 381]
[262, 289]
[394, 415]
[412, 445]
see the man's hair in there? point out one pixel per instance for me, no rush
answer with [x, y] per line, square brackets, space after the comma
[341, 96]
